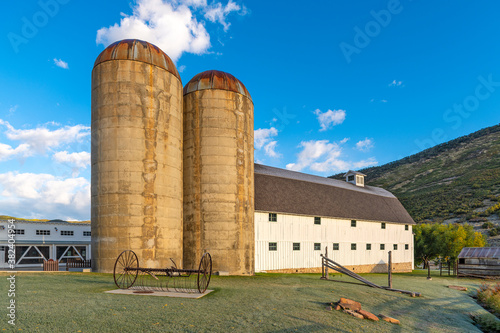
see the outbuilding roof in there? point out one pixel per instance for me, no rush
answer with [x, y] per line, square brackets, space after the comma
[480, 252]
[284, 191]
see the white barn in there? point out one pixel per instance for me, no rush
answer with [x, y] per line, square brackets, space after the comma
[298, 215]
[36, 242]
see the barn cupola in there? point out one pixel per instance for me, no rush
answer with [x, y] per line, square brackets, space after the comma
[355, 177]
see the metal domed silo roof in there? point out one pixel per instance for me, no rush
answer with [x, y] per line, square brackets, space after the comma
[214, 79]
[137, 50]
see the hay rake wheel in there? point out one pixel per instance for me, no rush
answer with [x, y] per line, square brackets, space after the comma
[204, 272]
[124, 273]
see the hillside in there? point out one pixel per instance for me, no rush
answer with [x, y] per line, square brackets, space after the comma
[7, 217]
[457, 179]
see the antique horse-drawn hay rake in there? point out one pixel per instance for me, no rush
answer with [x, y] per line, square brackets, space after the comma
[128, 275]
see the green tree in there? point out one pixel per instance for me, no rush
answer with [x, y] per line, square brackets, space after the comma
[446, 241]
[427, 243]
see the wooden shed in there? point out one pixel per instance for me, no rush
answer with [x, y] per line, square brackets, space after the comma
[479, 262]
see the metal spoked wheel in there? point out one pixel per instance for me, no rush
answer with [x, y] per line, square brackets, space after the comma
[123, 275]
[204, 272]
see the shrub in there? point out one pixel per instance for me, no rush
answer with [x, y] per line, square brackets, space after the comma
[489, 296]
[487, 322]
[488, 225]
[494, 232]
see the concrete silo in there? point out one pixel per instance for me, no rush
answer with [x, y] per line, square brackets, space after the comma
[136, 156]
[218, 173]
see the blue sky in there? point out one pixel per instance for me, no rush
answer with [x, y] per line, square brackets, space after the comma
[336, 85]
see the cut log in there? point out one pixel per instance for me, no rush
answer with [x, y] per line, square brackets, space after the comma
[368, 315]
[354, 314]
[349, 304]
[389, 319]
[458, 288]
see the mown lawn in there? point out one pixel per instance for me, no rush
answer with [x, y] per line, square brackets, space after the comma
[75, 302]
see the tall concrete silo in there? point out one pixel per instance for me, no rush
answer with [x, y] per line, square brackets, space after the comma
[136, 156]
[218, 173]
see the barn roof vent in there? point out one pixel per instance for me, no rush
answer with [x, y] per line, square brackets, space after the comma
[355, 177]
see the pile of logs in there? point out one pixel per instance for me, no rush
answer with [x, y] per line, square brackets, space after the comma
[353, 308]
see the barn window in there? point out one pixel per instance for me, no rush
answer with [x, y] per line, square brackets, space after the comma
[317, 246]
[67, 233]
[350, 178]
[86, 233]
[335, 246]
[382, 246]
[406, 227]
[296, 246]
[383, 225]
[317, 220]
[273, 246]
[353, 246]
[395, 246]
[353, 223]
[43, 232]
[461, 260]
[19, 231]
[273, 217]
[407, 246]
[368, 246]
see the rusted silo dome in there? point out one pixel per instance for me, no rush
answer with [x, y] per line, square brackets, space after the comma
[213, 79]
[137, 50]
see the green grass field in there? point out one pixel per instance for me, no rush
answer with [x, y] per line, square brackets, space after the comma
[75, 302]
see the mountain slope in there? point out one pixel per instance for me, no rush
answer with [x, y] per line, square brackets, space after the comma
[459, 178]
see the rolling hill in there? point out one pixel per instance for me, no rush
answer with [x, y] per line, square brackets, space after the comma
[459, 179]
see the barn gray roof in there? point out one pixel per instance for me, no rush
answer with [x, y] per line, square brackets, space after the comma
[284, 191]
[480, 252]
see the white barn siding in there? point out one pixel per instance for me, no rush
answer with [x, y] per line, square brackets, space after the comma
[291, 229]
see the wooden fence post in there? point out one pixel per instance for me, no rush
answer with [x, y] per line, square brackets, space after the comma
[390, 269]
[326, 268]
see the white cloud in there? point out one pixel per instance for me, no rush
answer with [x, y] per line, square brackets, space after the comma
[77, 160]
[365, 163]
[324, 156]
[263, 136]
[263, 139]
[330, 118]
[44, 196]
[42, 139]
[270, 149]
[365, 145]
[172, 25]
[216, 12]
[396, 83]
[7, 152]
[312, 151]
[344, 140]
[383, 100]
[181, 68]
[60, 63]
